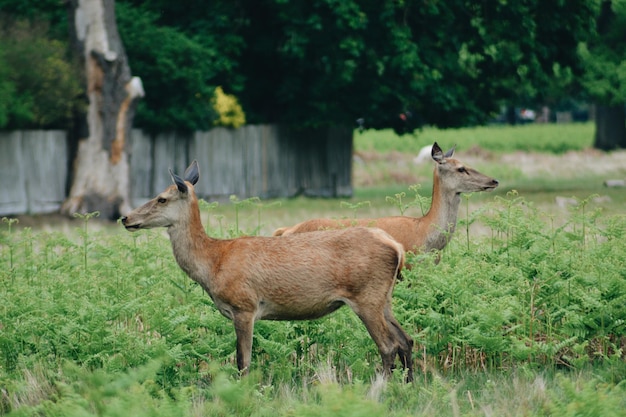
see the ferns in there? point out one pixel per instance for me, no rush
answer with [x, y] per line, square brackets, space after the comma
[534, 297]
[113, 311]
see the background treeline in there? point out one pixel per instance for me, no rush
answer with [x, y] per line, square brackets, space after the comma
[313, 63]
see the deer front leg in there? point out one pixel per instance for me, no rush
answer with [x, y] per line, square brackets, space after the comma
[244, 327]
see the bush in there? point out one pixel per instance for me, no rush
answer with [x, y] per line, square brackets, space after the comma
[229, 110]
[39, 87]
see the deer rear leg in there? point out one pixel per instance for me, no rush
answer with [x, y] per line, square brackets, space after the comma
[244, 327]
[405, 349]
[382, 335]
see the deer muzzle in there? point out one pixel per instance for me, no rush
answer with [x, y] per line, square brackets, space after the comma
[129, 226]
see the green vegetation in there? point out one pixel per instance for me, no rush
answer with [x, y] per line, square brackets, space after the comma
[39, 86]
[314, 63]
[526, 319]
[549, 138]
[542, 162]
[523, 316]
[317, 63]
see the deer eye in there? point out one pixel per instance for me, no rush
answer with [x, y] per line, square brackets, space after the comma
[162, 200]
[462, 169]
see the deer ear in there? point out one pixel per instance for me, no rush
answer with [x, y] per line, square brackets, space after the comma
[180, 183]
[192, 173]
[437, 153]
[450, 152]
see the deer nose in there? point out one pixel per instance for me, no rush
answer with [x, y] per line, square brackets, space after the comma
[124, 218]
[495, 182]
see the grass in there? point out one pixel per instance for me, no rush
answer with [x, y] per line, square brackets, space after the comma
[523, 316]
[537, 137]
[526, 320]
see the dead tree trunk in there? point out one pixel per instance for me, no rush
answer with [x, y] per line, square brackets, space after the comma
[100, 172]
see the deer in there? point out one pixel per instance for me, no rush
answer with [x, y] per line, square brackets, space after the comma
[433, 231]
[299, 277]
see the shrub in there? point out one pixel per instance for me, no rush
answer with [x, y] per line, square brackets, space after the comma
[40, 86]
[230, 113]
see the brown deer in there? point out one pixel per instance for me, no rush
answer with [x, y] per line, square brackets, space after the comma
[299, 277]
[419, 234]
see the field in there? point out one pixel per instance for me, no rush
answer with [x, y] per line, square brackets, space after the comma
[524, 315]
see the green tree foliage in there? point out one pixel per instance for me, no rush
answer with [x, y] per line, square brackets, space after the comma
[180, 56]
[448, 63]
[327, 62]
[7, 90]
[50, 11]
[604, 57]
[39, 86]
[523, 52]
[314, 63]
[604, 79]
[330, 62]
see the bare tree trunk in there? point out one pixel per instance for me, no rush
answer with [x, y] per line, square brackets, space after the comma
[100, 177]
[610, 127]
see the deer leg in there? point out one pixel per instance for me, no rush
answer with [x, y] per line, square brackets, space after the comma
[405, 349]
[382, 335]
[244, 326]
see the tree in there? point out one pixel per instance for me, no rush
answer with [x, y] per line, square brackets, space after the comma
[604, 58]
[101, 172]
[312, 63]
[198, 47]
[391, 62]
[38, 84]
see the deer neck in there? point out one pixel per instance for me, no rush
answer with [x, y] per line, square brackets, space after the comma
[191, 246]
[442, 216]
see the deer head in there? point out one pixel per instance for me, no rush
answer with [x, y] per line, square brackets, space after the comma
[455, 176]
[165, 209]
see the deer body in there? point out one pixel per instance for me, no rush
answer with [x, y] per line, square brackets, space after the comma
[419, 234]
[297, 277]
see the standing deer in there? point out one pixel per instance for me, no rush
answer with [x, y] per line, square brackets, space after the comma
[419, 234]
[297, 277]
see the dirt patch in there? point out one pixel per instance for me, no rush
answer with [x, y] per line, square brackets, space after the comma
[372, 169]
[479, 153]
[569, 165]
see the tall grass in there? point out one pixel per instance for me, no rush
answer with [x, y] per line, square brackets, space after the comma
[526, 320]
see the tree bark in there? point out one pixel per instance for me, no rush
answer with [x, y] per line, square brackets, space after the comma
[610, 127]
[610, 119]
[100, 175]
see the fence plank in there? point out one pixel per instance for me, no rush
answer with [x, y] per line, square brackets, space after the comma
[170, 151]
[13, 197]
[280, 161]
[141, 167]
[45, 165]
[219, 154]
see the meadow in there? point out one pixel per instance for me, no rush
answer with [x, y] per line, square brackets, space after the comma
[523, 316]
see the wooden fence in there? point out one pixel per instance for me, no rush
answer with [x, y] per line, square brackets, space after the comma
[33, 171]
[263, 161]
